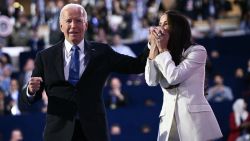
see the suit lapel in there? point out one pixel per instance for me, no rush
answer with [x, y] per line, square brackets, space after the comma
[90, 55]
[59, 63]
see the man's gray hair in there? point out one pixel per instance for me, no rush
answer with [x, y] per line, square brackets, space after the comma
[73, 5]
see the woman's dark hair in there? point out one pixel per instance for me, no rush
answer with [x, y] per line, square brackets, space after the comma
[180, 35]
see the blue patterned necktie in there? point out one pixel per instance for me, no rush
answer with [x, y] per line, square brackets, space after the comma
[74, 66]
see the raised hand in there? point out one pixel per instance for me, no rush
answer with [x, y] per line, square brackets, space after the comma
[34, 84]
[153, 43]
[162, 36]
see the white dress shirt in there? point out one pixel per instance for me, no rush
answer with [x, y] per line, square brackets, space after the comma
[67, 56]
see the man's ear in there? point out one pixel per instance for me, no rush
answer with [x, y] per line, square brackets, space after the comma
[86, 25]
[61, 27]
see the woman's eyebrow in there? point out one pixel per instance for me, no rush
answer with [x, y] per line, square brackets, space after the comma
[165, 22]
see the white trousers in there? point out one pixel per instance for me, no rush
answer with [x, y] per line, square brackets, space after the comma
[173, 135]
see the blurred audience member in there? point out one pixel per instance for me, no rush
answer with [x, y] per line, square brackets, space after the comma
[239, 73]
[245, 23]
[25, 75]
[214, 30]
[121, 48]
[13, 97]
[238, 84]
[219, 92]
[210, 8]
[239, 122]
[36, 42]
[52, 16]
[16, 135]
[116, 19]
[189, 8]
[128, 20]
[195, 32]
[141, 31]
[4, 57]
[149, 103]
[145, 129]
[152, 12]
[117, 97]
[2, 103]
[5, 78]
[21, 34]
[115, 130]
[215, 54]
[101, 36]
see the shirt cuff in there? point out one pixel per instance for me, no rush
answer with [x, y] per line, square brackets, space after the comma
[31, 97]
[149, 46]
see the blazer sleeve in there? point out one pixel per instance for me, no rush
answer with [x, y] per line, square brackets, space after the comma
[37, 72]
[195, 58]
[151, 73]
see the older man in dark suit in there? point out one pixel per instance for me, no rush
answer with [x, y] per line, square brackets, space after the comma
[73, 73]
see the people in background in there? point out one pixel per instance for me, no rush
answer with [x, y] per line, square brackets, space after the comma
[36, 42]
[119, 47]
[12, 100]
[101, 36]
[117, 97]
[239, 122]
[16, 135]
[2, 103]
[214, 30]
[245, 23]
[115, 129]
[219, 92]
[21, 33]
[146, 129]
[5, 78]
[25, 75]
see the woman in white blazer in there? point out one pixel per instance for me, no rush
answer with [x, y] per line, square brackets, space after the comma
[178, 66]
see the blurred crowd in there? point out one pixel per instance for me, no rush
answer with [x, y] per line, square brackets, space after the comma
[38, 26]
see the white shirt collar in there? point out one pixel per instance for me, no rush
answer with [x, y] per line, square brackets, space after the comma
[68, 46]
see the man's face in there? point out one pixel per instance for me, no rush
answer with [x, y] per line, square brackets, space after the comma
[73, 25]
[218, 80]
[115, 83]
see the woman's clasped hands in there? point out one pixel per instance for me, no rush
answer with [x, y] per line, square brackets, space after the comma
[158, 40]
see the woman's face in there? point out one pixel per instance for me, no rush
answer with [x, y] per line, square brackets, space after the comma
[164, 21]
